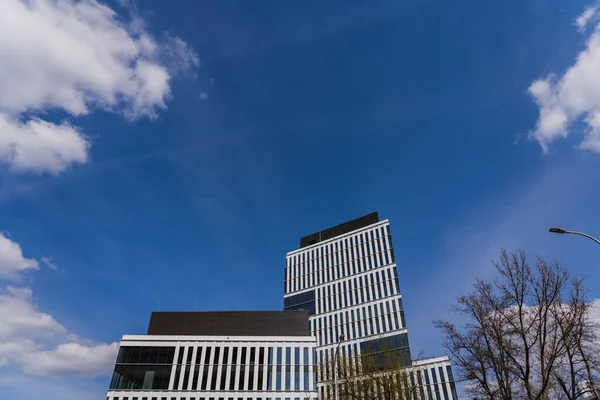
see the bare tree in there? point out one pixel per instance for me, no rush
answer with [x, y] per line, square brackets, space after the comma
[528, 334]
[378, 374]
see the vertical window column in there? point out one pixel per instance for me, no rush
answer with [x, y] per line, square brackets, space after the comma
[173, 371]
[245, 372]
[180, 375]
[191, 368]
[278, 368]
[288, 368]
[311, 270]
[297, 369]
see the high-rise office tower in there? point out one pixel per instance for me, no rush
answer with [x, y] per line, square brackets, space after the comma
[346, 278]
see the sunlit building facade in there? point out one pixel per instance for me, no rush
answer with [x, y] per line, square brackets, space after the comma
[346, 278]
[218, 356]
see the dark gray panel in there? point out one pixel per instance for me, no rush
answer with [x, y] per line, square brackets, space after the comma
[337, 230]
[230, 323]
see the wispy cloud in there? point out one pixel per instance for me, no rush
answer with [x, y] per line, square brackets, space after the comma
[51, 264]
[517, 217]
[588, 15]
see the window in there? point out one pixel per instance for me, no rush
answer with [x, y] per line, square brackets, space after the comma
[252, 367]
[306, 356]
[388, 350]
[177, 375]
[279, 356]
[145, 355]
[195, 377]
[204, 378]
[198, 354]
[288, 355]
[186, 377]
[133, 377]
[278, 378]
[232, 376]
[224, 364]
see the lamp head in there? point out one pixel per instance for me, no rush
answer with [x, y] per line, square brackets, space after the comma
[558, 230]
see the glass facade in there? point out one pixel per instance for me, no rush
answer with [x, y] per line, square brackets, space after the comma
[216, 367]
[143, 368]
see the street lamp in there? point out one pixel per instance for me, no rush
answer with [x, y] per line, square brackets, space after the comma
[335, 362]
[564, 231]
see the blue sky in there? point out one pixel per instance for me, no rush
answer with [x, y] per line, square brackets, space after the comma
[182, 185]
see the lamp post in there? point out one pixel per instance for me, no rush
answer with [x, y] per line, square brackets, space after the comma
[335, 362]
[562, 231]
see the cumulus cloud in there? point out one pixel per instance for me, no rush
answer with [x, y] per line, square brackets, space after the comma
[40, 146]
[12, 261]
[573, 97]
[71, 359]
[75, 56]
[35, 340]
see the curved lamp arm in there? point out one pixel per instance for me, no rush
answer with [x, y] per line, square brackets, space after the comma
[562, 231]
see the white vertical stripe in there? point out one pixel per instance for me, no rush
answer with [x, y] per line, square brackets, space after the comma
[318, 305]
[175, 358]
[219, 367]
[238, 367]
[356, 322]
[228, 366]
[246, 369]
[265, 368]
[201, 366]
[192, 369]
[384, 319]
[210, 367]
[283, 365]
[310, 272]
[179, 384]
[256, 367]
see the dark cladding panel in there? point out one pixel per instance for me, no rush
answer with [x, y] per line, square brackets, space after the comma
[339, 229]
[230, 323]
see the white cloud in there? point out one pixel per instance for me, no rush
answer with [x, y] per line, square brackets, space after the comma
[34, 340]
[41, 146]
[12, 261]
[203, 96]
[75, 56]
[71, 359]
[19, 318]
[23, 387]
[572, 97]
[589, 14]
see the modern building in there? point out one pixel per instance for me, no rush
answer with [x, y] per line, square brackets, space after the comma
[346, 278]
[256, 355]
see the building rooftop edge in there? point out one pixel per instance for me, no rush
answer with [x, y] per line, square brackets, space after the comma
[215, 338]
[430, 360]
[301, 249]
